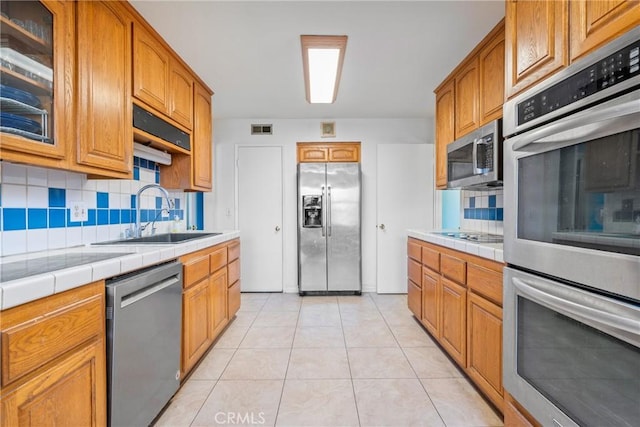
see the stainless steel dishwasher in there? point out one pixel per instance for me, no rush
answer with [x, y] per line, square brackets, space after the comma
[144, 317]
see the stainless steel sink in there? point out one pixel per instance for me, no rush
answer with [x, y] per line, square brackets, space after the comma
[169, 238]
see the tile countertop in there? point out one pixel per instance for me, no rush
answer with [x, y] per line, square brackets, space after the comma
[30, 288]
[492, 251]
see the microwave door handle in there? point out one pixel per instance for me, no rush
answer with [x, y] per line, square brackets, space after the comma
[584, 310]
[474, 158]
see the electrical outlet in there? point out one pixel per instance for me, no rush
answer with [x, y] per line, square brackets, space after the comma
[79, 212]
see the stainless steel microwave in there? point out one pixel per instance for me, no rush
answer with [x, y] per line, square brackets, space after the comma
[475, 160]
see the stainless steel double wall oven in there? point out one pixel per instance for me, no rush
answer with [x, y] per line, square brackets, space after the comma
[572, 242]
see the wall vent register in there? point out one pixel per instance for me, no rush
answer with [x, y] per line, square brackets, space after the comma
[258, 129]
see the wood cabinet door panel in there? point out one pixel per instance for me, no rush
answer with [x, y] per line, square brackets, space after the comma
[150, 70]
[313, 154]
[181, 95]
[234, 298]
[195, 270]
[346, 153]
[466, 100]
[453, 336]
[29, 345]
[535, 42]
[202, 140]
[197, 323]
[485, 282]
[414, 250]
[414, 269]
[70, 393]
[234, 270]
[431, 259]
[414, 298]
[453, 268]
[104, 110]
[431, 302]
[594, 23]
[484, 346]
[218, 258]
[234, 250]
[219, 289]
[445, 130]
[491, 72]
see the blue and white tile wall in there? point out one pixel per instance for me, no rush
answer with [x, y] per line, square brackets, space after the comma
[482, 211]
[35, 207]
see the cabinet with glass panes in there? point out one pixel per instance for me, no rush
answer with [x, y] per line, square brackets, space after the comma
[36, 53]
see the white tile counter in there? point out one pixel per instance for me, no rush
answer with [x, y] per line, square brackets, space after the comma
[492, 251]
[29, 288]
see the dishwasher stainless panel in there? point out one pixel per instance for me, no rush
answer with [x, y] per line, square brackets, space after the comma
[144, 317]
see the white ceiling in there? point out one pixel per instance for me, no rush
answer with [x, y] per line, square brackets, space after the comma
[249, 52]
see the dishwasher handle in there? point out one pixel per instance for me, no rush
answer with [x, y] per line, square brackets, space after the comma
[140, 294]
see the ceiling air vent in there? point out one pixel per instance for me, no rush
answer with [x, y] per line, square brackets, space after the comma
[261, 129]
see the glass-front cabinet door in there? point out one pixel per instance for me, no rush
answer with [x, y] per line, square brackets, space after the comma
[35, 80]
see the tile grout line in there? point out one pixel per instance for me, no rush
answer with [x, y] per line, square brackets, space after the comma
[353, 387]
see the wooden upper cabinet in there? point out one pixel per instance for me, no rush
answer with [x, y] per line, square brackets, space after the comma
[150, 70]
[160, 80]
[535, 42]
[104, 110]
[445, 130]
[309, 152]
[181, 97]
[491, 78]
[54, 99]
[467, 98]
[202, 148]
[593, 23]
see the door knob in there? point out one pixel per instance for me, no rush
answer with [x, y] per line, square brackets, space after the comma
[381, 226]
[277, 228]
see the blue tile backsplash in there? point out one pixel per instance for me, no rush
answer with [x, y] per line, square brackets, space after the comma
[35, 207]
[482, 211]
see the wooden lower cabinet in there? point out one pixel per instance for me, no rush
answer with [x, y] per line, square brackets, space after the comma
[208, 299]
[461, 308]
[414, 298]
[197, 322]
[484, 346]
[55, 348]
[431, 302]
[453, 335]
[515, 415]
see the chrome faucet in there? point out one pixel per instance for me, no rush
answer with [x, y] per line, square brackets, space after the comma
[137, 232]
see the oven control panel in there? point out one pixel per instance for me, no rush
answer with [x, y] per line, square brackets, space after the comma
[615, 68]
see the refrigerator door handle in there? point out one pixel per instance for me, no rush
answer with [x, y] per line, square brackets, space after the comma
[329, 210]
[324, 213]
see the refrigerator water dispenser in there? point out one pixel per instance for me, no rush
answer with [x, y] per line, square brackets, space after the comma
[312, 211]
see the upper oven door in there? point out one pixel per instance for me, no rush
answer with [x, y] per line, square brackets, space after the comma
[572, 197]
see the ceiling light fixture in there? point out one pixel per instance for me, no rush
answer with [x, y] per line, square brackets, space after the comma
[322, 58]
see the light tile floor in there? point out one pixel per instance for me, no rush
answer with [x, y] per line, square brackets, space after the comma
[327, 361]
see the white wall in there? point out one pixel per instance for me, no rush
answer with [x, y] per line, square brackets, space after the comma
[228, 133]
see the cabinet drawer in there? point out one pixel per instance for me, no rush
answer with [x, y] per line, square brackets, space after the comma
[218, 259]
[234, 271]
[453, 268]
[485, 282]
[431, 259]
[234, 299]
[233, 250]
[196, 270]
[34, 342]
[414, 271]
[414, 299]
[414, 250]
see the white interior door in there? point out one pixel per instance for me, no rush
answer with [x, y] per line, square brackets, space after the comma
[405, 200]
[259, 207]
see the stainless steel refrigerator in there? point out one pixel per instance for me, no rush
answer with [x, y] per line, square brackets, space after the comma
[329, 248]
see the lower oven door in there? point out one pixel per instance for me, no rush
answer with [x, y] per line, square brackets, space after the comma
[572, 197]
[571, 357]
